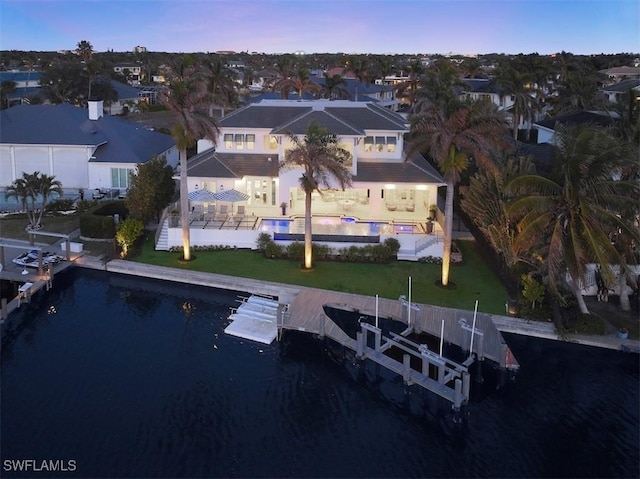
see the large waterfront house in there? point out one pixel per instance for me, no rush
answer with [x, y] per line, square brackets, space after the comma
[81, 147]
[391, 184]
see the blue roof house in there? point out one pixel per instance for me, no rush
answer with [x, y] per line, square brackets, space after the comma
[81, 147]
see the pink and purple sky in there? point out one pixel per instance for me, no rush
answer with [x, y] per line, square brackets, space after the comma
[325, 26]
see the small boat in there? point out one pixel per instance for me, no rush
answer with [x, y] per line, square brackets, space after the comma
[30, 258]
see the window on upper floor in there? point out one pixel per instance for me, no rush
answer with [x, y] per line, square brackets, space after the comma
[271, 142]
[380, 144]
[239, 141]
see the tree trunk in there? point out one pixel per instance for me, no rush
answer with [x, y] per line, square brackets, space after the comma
[448, 233]
[625, 305]
[184, 206]
[579, 298]
[308, 249]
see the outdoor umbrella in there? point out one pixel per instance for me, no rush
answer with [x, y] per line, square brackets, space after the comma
[202, 196]
[231, 196]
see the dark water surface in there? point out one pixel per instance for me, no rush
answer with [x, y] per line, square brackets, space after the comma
[114, 374]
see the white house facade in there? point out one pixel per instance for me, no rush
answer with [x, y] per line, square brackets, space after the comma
[388, 181]
[80, 147]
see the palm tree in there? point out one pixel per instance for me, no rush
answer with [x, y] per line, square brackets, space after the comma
[219, 83]
[188, 99]
[519, 86]
[31, 188]
[300, 83]
[84, 50]
[408, 90]
[323, 162]
[335, 87]
[485, 203]
[568, 217]
[450, 136]
[360, 69]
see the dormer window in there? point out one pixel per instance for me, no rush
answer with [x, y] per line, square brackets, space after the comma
[380, 144]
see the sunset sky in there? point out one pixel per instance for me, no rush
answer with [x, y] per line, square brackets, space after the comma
[319, 26]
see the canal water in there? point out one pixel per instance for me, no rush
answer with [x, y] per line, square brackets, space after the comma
[123, 377]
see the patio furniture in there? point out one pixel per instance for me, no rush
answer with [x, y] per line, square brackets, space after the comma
[222, 215]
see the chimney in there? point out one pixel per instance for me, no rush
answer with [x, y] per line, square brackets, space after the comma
[96, 110]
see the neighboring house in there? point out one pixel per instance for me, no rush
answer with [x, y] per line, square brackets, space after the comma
[27, 85]
[546, 128]
[80, 147]
[485, 89]
[132, 71]
[127, 98]
[387, 180]
[616, 74]
[616, 92]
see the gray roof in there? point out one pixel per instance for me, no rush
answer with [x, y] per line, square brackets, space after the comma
[414, 170]
[321, 118]
[369, 118]
[282, 116]
[119, 140]
[622, 86]
[577, 118]
[210, 164]
[124, 91]
[265, 117]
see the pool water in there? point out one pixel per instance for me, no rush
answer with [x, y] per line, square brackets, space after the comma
[344, 226]
[12, 204]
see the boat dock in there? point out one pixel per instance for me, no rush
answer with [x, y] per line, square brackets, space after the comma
[306, 313]
[30, 280]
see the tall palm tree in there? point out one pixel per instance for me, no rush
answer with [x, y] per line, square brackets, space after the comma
[323, 163]
[361, 71]
[219, 83]
[519, 86]
[84, 49]
[450, 136]
[188, 99]
[335, 87]
[301, 82]
[408, 89]
[34, 188]
[567, 217]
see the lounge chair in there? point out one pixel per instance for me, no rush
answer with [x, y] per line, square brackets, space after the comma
[222, 215]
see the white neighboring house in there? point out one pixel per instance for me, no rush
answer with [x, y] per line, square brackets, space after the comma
[132, 71]
[81, 147]
[617, 92]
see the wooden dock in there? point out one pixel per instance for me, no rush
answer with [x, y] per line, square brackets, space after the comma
[30, 283]
[306, 313]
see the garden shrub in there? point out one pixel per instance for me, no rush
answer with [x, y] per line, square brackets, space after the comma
[295, 250]
[60, 204]
[586, 324]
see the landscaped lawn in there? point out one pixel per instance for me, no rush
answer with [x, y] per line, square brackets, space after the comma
[13, 226]
[473, 279]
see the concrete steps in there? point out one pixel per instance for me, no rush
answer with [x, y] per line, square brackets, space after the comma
[163, 238]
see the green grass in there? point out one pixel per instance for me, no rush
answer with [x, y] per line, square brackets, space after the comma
[473, 279]
[13, 226]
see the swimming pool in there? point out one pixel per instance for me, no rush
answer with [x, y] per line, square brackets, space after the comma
[13, 204]
[339, 226]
